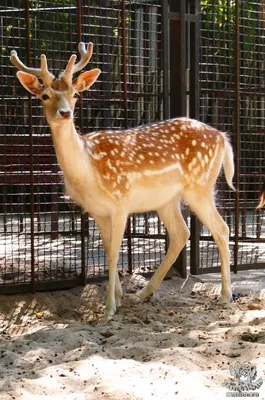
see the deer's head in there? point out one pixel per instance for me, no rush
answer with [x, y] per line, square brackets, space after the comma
[58, 95]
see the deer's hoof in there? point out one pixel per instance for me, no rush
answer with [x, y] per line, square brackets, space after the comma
[226, 298]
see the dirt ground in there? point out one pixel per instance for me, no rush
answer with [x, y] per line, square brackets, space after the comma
[179, 345]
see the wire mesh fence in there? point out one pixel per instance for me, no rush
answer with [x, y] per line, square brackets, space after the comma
[45, 240]
[43, 237]
[218, 75]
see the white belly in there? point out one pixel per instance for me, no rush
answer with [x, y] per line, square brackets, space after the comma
[138, 200]
[153, 198]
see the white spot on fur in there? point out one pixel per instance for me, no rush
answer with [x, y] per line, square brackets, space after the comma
[192, 163]
[96, 156]
[211, 164]
[194, 143]
[164, 170]
[196, 124]
[196, 170]
[133, 176]
[111, 166]
[117, 193]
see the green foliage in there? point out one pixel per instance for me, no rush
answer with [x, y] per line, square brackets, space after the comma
[218, 12]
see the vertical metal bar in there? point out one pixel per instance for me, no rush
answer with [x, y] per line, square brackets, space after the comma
[32, 188]
[125, 105]
[81, 124]
[106, 32]
[124, 63]
[178, 87]
[165, 55]
[195, 62]
[166, 66]
[194, 113]
[178, 60]
[183, 53]
[237, 147]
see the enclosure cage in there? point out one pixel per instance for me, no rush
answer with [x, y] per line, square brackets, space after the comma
[159, 59]
[45, 240]
[232, 99]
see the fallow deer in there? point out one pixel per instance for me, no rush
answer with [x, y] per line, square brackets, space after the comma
[112, 174]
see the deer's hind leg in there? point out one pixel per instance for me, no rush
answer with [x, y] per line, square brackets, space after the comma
[201, 201]
[178, 235]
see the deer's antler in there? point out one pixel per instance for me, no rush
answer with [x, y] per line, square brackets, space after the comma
[46, 76]
[72, 68]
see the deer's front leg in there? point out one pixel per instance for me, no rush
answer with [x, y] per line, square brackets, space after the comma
[117, 227]
[104, 225]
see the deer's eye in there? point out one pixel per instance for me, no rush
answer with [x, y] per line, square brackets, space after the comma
[76, 96]
[45, 97]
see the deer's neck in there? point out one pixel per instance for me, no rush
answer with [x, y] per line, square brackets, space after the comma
[70, 152]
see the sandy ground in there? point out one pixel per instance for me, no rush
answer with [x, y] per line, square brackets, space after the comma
[179, 345]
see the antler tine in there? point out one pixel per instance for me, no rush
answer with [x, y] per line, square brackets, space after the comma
[72, 68]
[22, 67]
[67, 75]
[46, 76]
[85, 56]
[43, 72]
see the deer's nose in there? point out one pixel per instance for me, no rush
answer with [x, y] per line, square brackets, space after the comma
[65, 114]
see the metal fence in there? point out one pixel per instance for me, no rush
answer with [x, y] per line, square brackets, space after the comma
[159, 59]
[232, 98]
[45, 242]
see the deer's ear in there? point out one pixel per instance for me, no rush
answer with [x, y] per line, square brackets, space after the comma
[86, 79]
[30, 82]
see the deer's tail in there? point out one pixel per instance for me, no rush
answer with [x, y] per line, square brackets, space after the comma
[228, 164]
[261, 197]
